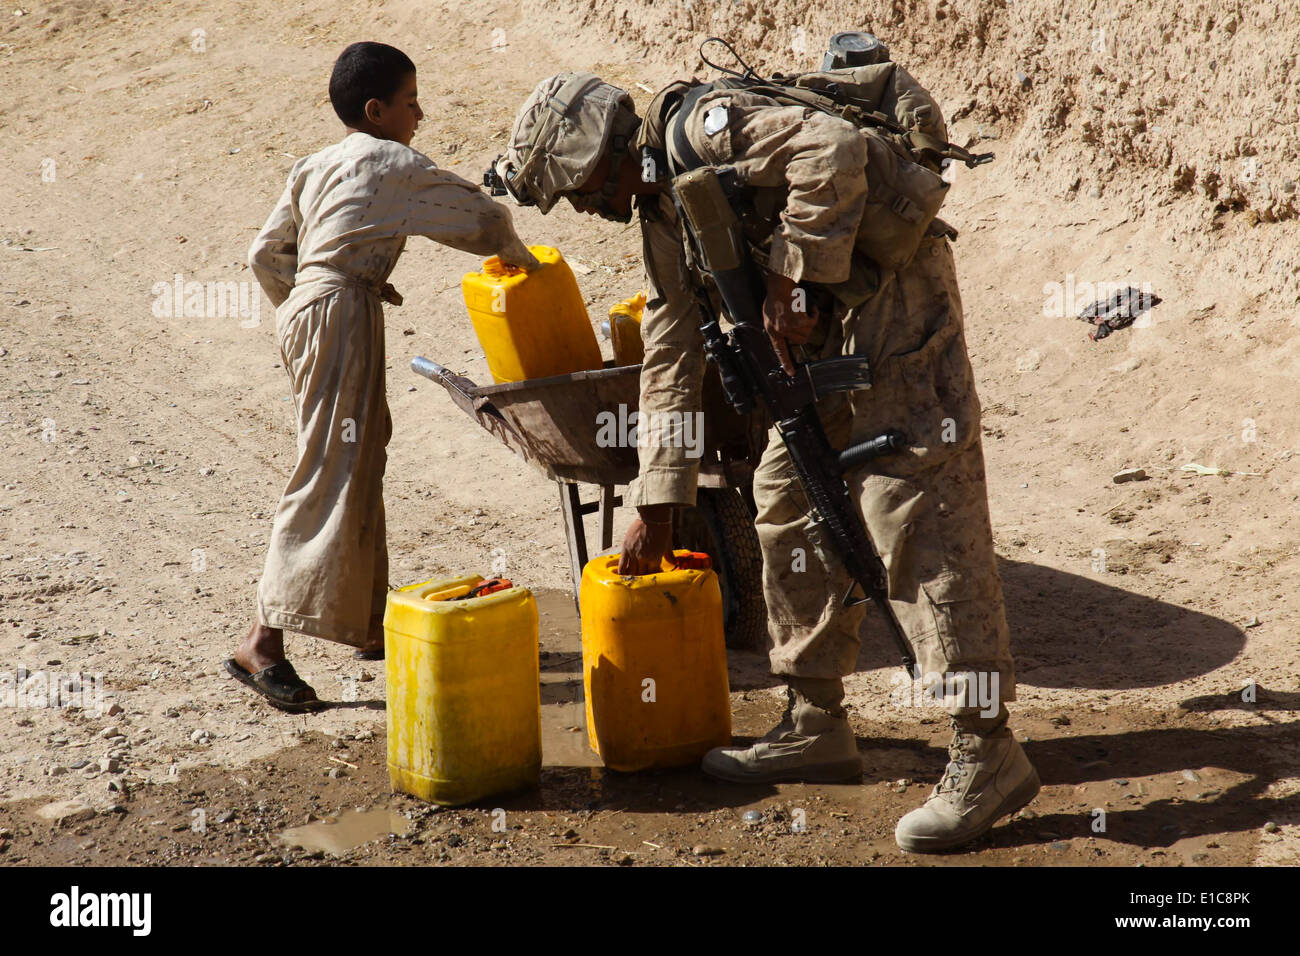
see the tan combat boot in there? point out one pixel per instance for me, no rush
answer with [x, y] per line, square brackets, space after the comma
[988, 777]
[812, 743]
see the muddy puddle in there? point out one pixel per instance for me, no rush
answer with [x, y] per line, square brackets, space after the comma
[349, 830]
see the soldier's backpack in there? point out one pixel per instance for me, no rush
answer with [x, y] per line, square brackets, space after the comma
[900, 123]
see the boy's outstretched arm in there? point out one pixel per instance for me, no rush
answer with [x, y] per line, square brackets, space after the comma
[273, 256]
[457, 213]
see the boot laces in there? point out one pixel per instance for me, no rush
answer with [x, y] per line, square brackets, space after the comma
[961, 763]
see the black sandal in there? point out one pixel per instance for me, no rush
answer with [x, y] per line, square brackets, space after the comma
[279, 684]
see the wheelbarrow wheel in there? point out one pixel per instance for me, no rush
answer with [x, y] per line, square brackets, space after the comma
[722, 526]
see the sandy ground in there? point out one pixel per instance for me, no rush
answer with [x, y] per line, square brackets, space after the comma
[142, 457]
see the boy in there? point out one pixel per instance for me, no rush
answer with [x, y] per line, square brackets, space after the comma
[323, 258]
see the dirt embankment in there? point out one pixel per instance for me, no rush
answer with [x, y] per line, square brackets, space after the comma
[1140, 102]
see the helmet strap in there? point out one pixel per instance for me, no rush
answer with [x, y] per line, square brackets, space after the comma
[620, 149]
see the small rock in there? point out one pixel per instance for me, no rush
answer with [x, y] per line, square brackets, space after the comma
[707, 851]
[753, 816]
[1271, 827]
[1129, 474]
[65, 812]
[454, 840]
[171, 712]
[109, 765]
[1060, 846]
[366, 676]
[56, 374]
[1191, 776]
[206, 472]
[58, 771]
[199, 736]
[336, 772]
[78, 764]
[266, 858]
[1200, 857]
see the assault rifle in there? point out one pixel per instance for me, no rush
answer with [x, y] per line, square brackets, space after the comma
[751, 373]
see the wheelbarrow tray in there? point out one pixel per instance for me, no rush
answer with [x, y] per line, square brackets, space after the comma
[555, 423]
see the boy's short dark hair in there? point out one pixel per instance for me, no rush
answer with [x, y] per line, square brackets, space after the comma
[363, 72]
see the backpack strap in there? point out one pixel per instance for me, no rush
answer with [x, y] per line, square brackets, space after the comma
[682, 156]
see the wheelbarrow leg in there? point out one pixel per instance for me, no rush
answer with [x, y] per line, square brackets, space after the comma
[607, 502]
[576, 533]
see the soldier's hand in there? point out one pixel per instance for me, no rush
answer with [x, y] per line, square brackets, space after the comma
[645, 545]
[787, 320]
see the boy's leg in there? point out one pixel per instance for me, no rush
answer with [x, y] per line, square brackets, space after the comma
[322, 559]
[373, 649]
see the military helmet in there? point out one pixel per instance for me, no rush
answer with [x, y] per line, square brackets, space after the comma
[560, 135]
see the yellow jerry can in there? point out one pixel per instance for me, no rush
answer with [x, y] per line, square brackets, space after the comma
[654, 663]
[530, 324]
[464, 709]
[625, 330]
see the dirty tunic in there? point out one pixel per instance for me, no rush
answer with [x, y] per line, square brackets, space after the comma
[926, 508]
[323, 258]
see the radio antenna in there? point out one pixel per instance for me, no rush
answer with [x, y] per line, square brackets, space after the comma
[749, 73]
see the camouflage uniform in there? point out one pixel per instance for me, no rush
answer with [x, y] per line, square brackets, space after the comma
[925, 507]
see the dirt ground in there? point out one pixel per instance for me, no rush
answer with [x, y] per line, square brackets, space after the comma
[141, 455]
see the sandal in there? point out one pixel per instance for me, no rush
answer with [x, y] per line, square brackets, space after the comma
[279, 684]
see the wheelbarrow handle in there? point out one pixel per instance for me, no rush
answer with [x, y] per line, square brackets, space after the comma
[465, 394]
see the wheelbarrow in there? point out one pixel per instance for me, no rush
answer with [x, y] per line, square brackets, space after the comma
[552, 424]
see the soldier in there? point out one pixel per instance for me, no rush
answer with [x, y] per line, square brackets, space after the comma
[925, 507]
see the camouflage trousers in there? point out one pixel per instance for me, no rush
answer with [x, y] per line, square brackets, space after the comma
[926, 507]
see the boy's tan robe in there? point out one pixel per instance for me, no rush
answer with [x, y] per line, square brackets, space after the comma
[323, 258]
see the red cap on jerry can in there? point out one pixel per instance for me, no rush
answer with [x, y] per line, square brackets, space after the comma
[490, 586]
